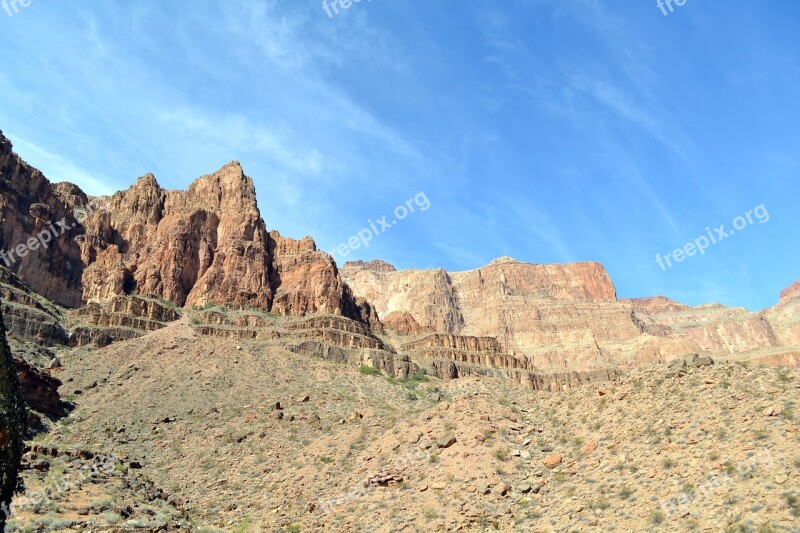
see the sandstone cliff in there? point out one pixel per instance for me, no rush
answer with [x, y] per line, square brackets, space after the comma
[566, 317]
[206, 244]
[546, 326]
[31, 206]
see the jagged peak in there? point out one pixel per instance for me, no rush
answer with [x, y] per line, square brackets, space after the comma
[376, 264]
[5, 144]
[791, 291]
[147, 181]
[230, 177]
[503, 260]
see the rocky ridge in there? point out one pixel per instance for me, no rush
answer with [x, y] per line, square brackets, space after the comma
[554, 317]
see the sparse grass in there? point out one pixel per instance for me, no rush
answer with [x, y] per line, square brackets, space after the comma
[668, 463]
[111, 518]
[417, 378]
[369, 370]
[244, 525]
[429, 513]
[625, 493]
[325, 459]
[502, 453]
[761, 434]
[600, 503]
[793, 501]
[657, 518]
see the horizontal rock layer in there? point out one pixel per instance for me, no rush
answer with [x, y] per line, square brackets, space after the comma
[557, 317]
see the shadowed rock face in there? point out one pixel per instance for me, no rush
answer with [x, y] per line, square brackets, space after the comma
[12, 424]
[39, 389]
[29, 206]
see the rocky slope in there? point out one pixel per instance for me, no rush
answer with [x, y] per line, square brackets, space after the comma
[197, 372]
[238, 434]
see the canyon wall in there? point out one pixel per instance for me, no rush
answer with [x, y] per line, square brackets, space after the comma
[567, 317]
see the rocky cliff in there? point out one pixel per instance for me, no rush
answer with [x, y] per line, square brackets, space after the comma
[39, 229]
[206, 244]
[128, 263]
[557, 317]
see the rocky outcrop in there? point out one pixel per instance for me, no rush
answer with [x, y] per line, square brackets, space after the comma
[29, 318]
[428, 295]
[550, 382]
[394, 365]
[38, 229]
[205, 244]
[785, 319]
[376, 264]
[455, 342]
[327, 329]
[39, 389]
[791, 292]
[556, 317]
[304, 280]
[117, 319]
[129, 311]
[12, 425]
[403, 323]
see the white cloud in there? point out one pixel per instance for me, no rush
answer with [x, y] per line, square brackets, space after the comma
[58, 168]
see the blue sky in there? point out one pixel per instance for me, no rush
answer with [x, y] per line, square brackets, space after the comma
[549, 131]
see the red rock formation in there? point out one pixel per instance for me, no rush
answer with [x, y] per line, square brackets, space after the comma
[567, 317]
[29, 207]
[791, 291]
[206, 244]
[403, 323]
[376, 265]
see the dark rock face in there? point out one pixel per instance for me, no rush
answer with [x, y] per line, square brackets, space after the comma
[12, 425]
[39, 389]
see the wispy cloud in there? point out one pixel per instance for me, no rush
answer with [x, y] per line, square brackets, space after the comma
[59, 168]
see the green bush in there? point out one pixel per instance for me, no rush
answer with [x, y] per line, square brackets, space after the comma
[369, 371]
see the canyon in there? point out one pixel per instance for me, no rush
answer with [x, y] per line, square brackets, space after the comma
[126, 268]
[189, 296]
